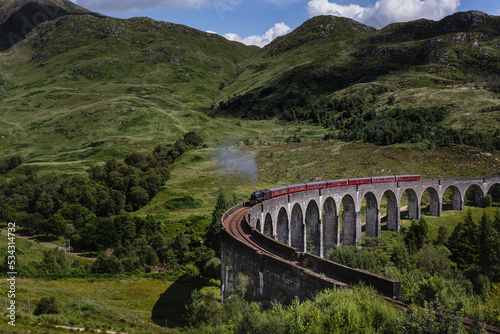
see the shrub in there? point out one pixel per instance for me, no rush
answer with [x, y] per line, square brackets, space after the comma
[7, 213]
[47, 305]
[137, 159]
[482, 285]
[400, 257]
[443, 235]
[434, 260]
[243, 287]
[191, 269]
[138, 197]
[202, 309]
[106, 265]
[372, 260]
[56, 225]
[486, 201]
[191, 138]
[10, 163]
[419, 321]
[54, 262]
[417, 235]
[256, 321]
[131, 264]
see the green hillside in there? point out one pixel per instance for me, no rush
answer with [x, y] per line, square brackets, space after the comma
[126, 84]
[453, 63]
[19, 18]
[82, 89]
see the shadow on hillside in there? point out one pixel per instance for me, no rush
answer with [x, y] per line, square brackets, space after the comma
[171, 304]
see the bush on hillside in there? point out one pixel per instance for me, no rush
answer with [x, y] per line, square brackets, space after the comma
[47, 305]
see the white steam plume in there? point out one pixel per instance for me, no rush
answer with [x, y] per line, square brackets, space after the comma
[234, 160]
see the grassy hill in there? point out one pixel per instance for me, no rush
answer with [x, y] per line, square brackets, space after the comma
[452, 63]
[123, 83]
[83, 88]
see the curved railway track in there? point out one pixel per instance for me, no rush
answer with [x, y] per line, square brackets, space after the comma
[234, 224]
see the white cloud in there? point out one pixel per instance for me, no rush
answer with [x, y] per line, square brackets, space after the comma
[386, 11]
[279, 29]
[121, 6]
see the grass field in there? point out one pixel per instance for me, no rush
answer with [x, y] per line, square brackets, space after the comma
[120, 304]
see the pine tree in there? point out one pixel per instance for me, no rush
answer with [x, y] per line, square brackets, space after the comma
[471, 233]
[489, 247]
[463, 243]
[496, 221]
[417, 235]
[213, 236]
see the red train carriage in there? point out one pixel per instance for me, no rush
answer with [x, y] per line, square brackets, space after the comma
[278, 191]
[316, 185]
[360, 180]
[337, 183]
[295, 188]
[383, 179]
[414, 177]
[266, 194]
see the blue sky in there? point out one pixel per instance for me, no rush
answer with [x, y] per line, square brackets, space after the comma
[258, 22]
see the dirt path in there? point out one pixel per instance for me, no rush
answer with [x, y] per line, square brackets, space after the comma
[81, 329]
[48, 244]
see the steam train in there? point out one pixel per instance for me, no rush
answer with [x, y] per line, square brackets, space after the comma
[266, 194]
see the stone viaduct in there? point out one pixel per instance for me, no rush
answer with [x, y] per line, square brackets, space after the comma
[279, 272]
[314, 219]
[268, 242]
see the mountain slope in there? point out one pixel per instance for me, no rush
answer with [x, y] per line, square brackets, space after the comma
[87, 87]
[81, 79]
[413, 62]
[19, 18]
[83, 89]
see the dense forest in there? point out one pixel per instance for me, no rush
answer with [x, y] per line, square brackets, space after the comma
[95, 214]
[353, 119]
